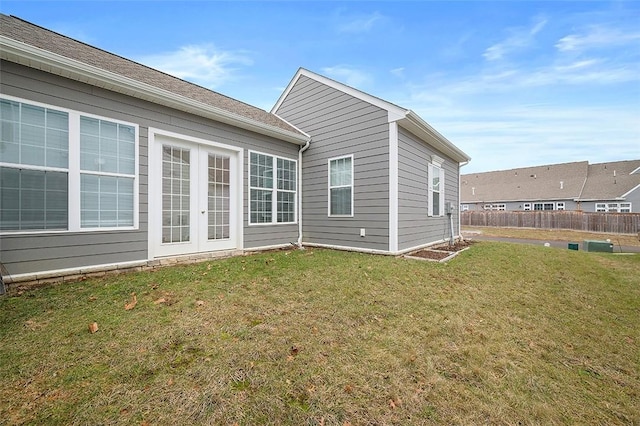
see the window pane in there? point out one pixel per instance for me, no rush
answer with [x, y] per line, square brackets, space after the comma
[106, 201]
[261, 206]
[33, 199]
[106, 146]
[286, 174]
[33, 135]
[176, 197]
[286, 207]
[341, 201]
[261, 167]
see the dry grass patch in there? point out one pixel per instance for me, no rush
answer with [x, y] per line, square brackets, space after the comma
[555, 235]
[503, 334]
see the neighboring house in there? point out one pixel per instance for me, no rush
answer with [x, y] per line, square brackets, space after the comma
[601, 187]
[108, 164]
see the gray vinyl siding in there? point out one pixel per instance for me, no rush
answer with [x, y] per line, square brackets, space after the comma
[341, 125]
[44, 251]
[415, 227]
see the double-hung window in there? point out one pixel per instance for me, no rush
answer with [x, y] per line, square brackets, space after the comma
[64, 170]
[341, 186]
[436, 188]
[272, 199]
[34, 167]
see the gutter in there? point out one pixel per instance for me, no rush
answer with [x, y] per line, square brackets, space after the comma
[53, 63]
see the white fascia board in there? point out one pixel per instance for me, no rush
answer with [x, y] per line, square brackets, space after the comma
[395, 112]
[34, 57]
[422, 129]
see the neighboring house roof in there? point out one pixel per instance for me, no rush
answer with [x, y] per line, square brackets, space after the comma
[610, 181]
[577, 181]
[40, 48]
[404, 117]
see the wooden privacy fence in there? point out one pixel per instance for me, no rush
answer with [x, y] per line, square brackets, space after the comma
[616, 223]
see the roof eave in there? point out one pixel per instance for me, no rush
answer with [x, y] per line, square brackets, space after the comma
[416, 125]
[34, 57]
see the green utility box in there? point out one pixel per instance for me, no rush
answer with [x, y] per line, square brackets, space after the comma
[599, 246]
[573, 246]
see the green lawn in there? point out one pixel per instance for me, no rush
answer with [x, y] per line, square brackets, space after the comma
[503, 334]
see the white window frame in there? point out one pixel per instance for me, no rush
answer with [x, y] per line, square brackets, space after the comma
[274, 190]
[329, 187]
[436, 164]
[526, 207]
[560, 205]
[74, 172]
[464, 207]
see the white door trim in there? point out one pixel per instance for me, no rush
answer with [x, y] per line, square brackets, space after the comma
[156, 138]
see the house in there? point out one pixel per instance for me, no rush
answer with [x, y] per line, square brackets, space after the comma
[601, 187]
[106, 164]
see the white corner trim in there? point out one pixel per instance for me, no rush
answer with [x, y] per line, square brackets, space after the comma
[393, 187]
[34, 57]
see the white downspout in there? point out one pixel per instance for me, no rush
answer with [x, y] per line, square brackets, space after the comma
[302, 149]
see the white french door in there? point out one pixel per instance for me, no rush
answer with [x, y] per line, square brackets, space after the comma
[193, 198]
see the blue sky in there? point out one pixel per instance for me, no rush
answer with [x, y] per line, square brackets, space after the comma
[512, 83]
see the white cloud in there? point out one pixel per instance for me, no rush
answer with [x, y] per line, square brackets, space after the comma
[519, 39]
[201, 64]
[350, 76]
[597, 37]
[398, 72]
[360, 24]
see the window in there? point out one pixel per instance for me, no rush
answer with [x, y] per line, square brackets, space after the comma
[107, 173]
[464, 207]
[560, 206]
[264, 189]
[527, 206]
[500, 207]
[613, 207]
[62, 170]
[436, 189]
[34, 167]
[341, 186]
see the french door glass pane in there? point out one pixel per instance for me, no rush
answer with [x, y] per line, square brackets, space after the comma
[218, 194]
[175, 194]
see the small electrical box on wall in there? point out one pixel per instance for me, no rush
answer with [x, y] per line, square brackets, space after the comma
[448, 207]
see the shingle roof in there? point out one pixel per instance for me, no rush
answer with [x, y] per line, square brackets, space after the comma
[34, 35]
[607, 181]
[565, 181]
[550, 182]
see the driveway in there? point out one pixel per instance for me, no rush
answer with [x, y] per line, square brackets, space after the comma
[558, 244]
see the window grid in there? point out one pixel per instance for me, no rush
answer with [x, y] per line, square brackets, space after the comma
[176, 197]
[272, 200]
[33, 135]
[341, 186]
[219, 192]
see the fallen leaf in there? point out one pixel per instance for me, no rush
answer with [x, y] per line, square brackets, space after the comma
[134, 301]
[92, 298]
[392, 404]
[199, 302]
[294, 351]
[348, 388]
[161, 300]
[93, 327]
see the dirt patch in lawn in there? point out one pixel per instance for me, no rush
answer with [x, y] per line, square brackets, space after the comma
[440, 252]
